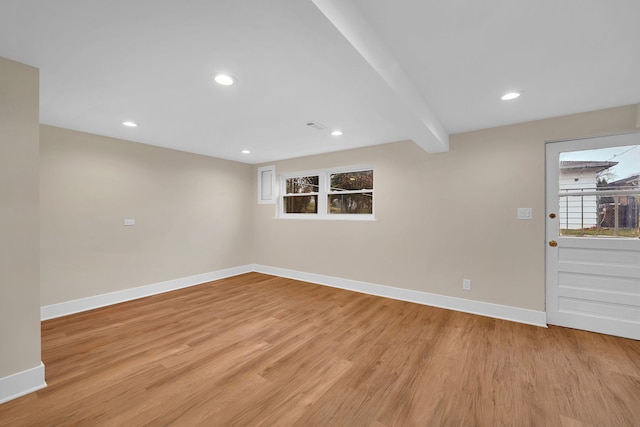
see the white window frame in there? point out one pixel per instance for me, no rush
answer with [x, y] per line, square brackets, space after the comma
[323, 194]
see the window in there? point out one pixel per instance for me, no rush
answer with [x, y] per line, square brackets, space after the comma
[351, 192]
[301, 194]
[345, 193]
[599, 192]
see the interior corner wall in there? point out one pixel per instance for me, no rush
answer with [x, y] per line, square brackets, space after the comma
[192, 214]
[440, 218]
[19, 241]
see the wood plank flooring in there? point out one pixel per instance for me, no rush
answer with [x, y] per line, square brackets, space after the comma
[257, 350]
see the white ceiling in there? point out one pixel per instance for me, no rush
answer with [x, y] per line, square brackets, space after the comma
[379, 70]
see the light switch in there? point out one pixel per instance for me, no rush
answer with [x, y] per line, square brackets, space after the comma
[525, 213]
[129, 221]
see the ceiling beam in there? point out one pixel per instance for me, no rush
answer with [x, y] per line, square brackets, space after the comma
[418, 120]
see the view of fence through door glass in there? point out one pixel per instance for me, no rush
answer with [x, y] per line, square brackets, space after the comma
[599, 192]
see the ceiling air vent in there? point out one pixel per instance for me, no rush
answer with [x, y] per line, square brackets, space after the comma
[316, 125]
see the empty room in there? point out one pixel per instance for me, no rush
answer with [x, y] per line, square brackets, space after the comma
[319, 213]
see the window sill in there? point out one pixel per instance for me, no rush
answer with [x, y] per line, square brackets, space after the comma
[313, 217]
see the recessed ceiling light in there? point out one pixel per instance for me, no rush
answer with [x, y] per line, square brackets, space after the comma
[130, 124]
[336, 132]
[224, 79]
[246, 152]
[510, 95]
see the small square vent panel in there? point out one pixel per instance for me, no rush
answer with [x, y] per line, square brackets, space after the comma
[316, 125]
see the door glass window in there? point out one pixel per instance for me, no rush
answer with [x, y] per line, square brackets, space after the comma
[599, 192]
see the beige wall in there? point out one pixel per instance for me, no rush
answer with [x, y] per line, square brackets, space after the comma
[19, 239]
[193, 214]
[440, 218]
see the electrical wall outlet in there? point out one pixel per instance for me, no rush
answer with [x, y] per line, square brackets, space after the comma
[129, 221]
[466, 284]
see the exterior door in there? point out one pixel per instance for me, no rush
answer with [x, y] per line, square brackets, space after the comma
[593, 241]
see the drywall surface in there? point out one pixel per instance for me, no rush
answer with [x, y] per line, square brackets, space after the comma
[440, 218]
[19, 220]
[192, 214]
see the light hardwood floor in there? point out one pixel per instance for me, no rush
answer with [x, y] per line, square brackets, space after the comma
[260, 350]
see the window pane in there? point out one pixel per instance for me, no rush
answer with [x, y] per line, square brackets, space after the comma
[302, 184]
[301, 204]
[353, 203]
[599, 192]
[360, 180]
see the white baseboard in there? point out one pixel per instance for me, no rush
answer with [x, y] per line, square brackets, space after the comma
[505, 312]
[97, 301]
[21, 383]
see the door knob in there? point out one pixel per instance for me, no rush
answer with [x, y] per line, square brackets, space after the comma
[552, 215]
[553, 243]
